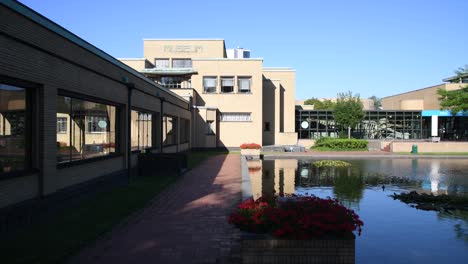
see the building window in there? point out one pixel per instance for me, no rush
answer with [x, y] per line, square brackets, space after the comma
[184, 130]
[142, 127]
[267, 126]
[227, 84]
[62, 123]
[209, 84]
[169, 130]
[210, 127]
[236, 117]
[244, 84]
[181, 63]
[161, 63]
[14, 129]
[96, 124]
[92, 129]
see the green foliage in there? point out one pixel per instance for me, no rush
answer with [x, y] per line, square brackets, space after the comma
[348, 110]
[331, 163]
[341, 143]
[320, 105]
[377, 101]
[456, 100]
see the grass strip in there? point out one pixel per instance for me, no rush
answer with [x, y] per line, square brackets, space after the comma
[59, 238]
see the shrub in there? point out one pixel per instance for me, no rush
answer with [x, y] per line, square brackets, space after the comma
[296, 217]
[250, 146]
[341, 143]
[331, 163]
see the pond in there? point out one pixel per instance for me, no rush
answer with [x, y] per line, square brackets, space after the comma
[393, 232]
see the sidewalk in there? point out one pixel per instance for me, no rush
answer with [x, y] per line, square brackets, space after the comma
[186, 223]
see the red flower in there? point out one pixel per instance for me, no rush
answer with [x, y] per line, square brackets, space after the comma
[250, 146]
[297, 217]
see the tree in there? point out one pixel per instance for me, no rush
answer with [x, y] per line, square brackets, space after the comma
[377, 102]
[456, 100]
[348, 111]
[320, 105]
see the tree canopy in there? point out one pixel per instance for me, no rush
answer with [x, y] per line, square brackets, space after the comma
[320, 105]
[456, 100]
[348, 110]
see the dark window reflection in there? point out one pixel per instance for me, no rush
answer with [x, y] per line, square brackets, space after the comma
[13, 125]
[84, 129]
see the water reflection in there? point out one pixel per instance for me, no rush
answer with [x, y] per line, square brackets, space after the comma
[390, 226]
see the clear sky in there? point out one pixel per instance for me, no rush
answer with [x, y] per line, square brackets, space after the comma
[370, 47]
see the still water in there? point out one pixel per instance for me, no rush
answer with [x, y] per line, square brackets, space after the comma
[393, 232]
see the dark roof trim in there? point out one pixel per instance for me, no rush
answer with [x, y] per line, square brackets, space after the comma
[56, 28]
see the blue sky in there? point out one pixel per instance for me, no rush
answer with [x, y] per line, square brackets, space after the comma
[369, 47]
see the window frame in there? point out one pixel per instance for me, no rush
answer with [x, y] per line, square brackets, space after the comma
[152, 126]
[182, 59]
[118, 110]
[215, 87]
[61, 122]
[30, 149]
[249, 78]
[223, 114]
[162, 59]
[174, 127]
[233, 84]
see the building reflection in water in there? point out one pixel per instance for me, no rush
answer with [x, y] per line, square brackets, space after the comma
[284, 176]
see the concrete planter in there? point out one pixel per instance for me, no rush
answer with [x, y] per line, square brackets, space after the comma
[254, 153]
[266, 249]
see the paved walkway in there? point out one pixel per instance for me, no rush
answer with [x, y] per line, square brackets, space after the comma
[186, 223]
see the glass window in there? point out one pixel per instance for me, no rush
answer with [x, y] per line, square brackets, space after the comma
[210, 127]
[209, 84]
[13, 128]
[161, 63]
[142, 127]
[244, 84]
[92, 130]
[62, 124]
[169, 134]
[181, 63]
[236, 117]
[227, 84]
[184, 130]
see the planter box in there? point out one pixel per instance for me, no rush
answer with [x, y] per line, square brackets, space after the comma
[266, 249]
[254, 153]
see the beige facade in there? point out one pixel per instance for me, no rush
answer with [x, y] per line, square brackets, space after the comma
[422, 99]
[234, 101]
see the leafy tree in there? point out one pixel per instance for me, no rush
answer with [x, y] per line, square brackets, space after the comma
[456, 100]
[377, 101]
[320, 105]
[348, 111]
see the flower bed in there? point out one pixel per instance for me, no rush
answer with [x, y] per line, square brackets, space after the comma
[302, 227]
[296, 217]
[250, 146]
[251, 150]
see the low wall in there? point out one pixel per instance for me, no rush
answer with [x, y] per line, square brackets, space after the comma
[286, 138]
[306, 143]
[430, 146]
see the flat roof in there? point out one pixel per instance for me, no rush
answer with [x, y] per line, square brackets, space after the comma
[455, 78]
[70, 36]
[272, 69]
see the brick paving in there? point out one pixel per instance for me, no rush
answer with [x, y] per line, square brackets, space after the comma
[186, 223]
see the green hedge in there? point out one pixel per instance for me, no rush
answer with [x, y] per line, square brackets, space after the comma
[340, 143]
